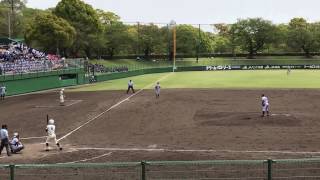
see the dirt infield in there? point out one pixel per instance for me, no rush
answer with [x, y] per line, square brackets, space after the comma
[188, 124]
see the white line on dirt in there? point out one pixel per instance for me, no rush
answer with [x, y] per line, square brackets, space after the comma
[39, 92]
[198, 150]
[109, 109]
[281, 115]
[28, 138]
[74, 102]
[88, 159]
[53, 106]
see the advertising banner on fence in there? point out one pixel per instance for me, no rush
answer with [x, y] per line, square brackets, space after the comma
[257, 67]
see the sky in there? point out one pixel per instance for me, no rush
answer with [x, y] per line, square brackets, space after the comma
[201, 11]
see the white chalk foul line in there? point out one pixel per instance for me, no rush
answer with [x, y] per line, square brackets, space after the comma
[28, 138]
[287, 115]
[198, 150]
[73, 102]
[109, 109]
[88, 159]
[59, 106]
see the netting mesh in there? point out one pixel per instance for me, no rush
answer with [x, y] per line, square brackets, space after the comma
[287, 169]
[305, 169]
[87, 172]
[4, 172]
[226, 170]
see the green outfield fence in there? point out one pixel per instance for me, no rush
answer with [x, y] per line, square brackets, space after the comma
[68, 66]
[71, 72]
[292, 169]
[11, 77]
[134, 65]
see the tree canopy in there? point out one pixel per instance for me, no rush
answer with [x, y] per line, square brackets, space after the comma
[84, 18]
[50, 33]
[75, 28]
[303, 35]
[253, 34]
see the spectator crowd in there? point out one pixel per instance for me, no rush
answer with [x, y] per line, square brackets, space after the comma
[19, 58]
[99, 68]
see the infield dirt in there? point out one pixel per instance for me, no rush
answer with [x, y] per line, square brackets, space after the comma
[183, 124]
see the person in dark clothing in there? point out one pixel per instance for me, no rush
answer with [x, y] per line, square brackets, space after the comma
[4, 139]
[130, 86]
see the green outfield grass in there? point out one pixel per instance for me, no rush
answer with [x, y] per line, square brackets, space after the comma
[268, 60]
[218, 79]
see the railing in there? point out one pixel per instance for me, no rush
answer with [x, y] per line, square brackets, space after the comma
[8, 77]
[145, 170]
[45, 67]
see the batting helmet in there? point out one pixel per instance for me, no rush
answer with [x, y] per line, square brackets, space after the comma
[51, 121]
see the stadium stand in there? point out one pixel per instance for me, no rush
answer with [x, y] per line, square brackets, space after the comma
[99, 68]
[19, 58]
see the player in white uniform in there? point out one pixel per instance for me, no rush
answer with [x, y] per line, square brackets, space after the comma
[265, 105]
[157, 89]
[2, 92]
[15, 144]
[62, 97]
[51, 130]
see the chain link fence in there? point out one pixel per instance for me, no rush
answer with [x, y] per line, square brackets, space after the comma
[292, 169]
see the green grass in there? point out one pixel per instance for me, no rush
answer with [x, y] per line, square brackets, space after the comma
[136, 65]
[218, 79]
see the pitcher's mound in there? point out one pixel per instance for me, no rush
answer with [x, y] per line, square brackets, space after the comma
[208, 118]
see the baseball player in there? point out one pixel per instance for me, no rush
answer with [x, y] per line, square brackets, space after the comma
[51, 130]
[2, 92]
[157, 89]
[288, 70]
[130, 86]
[4, 136]
[15, 144]
[62, 97]
[265, 105]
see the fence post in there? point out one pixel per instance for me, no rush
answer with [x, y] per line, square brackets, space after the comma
[143, 170]
[270, 161]
[12, 167]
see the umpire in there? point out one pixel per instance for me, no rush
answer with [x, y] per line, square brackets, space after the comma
[130, 86]
[4, 139]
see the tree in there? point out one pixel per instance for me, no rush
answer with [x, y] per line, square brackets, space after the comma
[225, 40]
[4, 13]
[222, 44]
[192, 40]
[106, 17]
[222, 29]
[303, 35]
[187, 39]
[253, 34]
[12, 8]
[50, 32]
[280, 42]
[151, 39]
[115, 37]
[84, 19]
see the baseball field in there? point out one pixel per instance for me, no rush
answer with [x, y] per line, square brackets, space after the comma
[199, 116]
